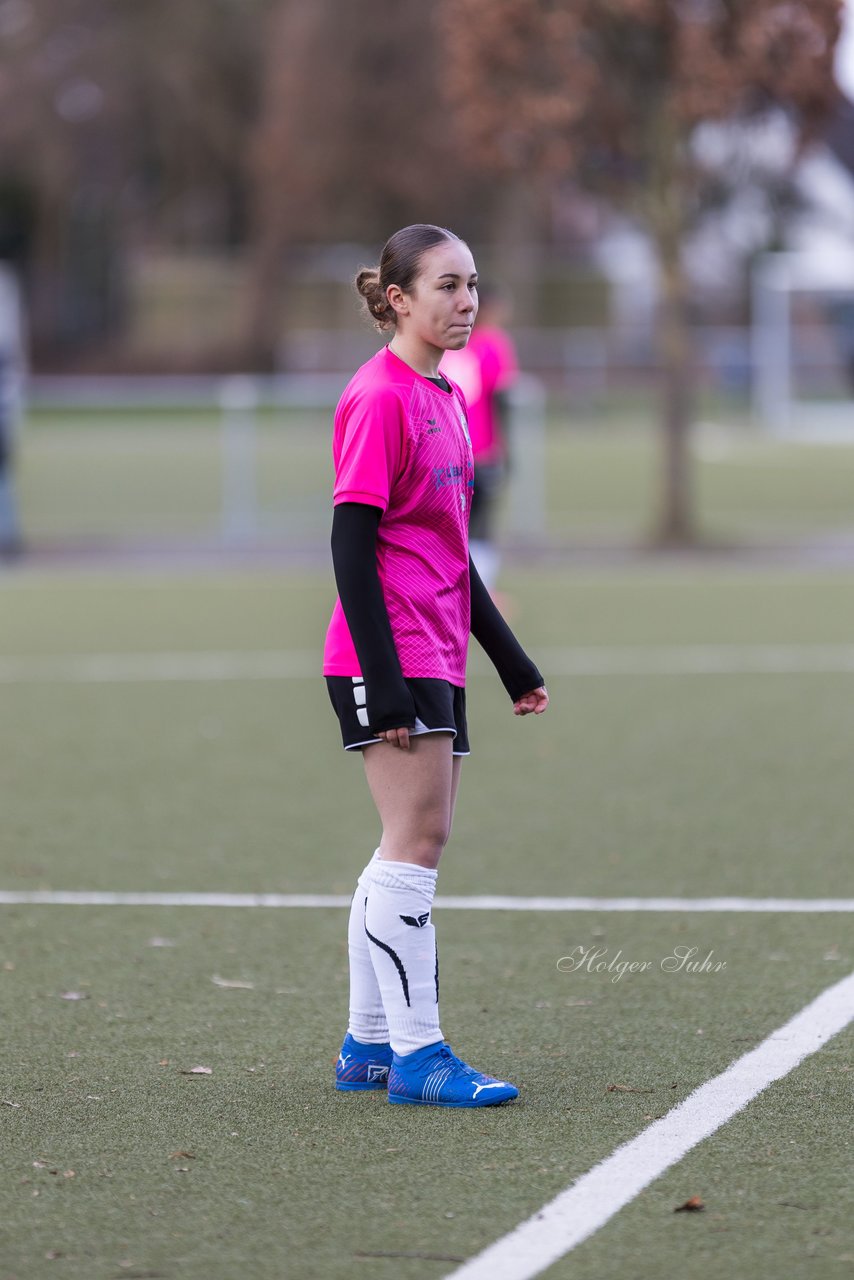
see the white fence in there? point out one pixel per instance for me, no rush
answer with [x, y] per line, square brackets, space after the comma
[268, 440]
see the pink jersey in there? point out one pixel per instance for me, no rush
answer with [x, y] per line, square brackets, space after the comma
[401, 443]
[482, 368]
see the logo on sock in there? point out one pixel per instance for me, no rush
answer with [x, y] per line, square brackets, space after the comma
[417, 922]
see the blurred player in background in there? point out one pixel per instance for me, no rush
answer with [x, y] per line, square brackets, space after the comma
[11, 403]
[484, 370]
[395, 656]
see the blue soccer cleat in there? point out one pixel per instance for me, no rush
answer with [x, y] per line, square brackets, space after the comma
[436, 1077]
[362, 1066]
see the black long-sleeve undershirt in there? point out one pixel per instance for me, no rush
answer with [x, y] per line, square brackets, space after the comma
[389, 701]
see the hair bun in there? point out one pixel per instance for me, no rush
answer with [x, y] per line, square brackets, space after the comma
[376, 303]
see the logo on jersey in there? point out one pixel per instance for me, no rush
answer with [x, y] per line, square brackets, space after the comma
[446, 477]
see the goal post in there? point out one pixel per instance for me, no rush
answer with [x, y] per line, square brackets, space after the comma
[802, 345]
[526, 498]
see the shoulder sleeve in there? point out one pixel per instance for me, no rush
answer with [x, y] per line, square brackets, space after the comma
[369, 449]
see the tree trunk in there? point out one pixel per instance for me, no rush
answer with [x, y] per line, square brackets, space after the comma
[260, 302]
[666, 199]
[516, 239]
[675, 525]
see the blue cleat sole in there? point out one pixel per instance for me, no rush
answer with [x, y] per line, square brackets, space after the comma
[422, 1102]
[362, 1087]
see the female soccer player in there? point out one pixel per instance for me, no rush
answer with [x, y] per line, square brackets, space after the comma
[395, 656]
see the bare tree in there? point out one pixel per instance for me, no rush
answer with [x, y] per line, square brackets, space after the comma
[610, 92]
[353, 139]
[125, 125]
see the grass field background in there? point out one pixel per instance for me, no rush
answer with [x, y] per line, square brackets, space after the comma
[116, 1163]
[146, 474]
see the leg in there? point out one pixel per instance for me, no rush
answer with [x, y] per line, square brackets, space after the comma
[418, 798]
[367, 1024]
[456, 771]
[424, 1070]
[365, 1055]
[414, 792]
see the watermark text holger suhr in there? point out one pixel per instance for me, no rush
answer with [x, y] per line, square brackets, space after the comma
[598, 960]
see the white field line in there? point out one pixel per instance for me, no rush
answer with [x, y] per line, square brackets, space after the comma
[96, 898]
[580, 1210]
[669, 660]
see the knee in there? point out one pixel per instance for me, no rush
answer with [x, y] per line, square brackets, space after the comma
[425, 847]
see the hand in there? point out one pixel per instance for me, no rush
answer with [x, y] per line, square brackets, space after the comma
[396, 738]
[536, 701]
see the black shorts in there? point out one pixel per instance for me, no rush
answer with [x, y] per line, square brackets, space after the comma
[440, 707]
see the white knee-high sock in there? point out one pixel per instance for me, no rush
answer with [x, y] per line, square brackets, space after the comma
[368, 1022]
[403, 951]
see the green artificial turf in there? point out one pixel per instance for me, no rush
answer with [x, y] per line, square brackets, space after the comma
[126, 475]
[630, 785]
[262, 1168]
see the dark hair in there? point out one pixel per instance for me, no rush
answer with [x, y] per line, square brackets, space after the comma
[399, 264]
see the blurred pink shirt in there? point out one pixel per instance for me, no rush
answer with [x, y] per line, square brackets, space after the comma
[401, 443]
[482, 368]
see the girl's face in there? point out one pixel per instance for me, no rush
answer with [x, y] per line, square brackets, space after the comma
[441, 307]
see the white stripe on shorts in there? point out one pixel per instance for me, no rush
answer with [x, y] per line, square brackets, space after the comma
[420, 727]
